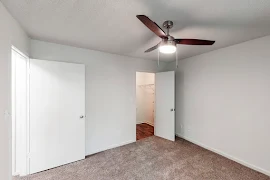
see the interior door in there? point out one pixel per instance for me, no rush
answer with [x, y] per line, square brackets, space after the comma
[57, 108]
[165, 105]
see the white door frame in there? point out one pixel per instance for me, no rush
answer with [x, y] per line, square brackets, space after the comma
[25, 165]
[136, 99]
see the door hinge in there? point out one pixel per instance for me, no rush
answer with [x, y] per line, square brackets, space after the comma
[29, 155]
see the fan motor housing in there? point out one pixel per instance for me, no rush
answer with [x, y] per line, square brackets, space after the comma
[169, 41]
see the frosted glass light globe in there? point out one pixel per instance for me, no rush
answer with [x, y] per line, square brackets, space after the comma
[167, 49]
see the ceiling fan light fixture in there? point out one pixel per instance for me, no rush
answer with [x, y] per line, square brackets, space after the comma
[166, 38]
[167, 49]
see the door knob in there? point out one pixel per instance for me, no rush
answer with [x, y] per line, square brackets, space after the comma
[81, 117]
[172, 109]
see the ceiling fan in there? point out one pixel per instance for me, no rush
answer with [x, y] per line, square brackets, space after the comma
[168, 43]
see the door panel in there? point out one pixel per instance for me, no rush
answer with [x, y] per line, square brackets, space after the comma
[165, 105]
[57, 100]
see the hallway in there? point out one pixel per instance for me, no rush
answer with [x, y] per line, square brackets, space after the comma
[143, 131]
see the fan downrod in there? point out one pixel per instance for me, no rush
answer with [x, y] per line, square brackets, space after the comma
[168, 25]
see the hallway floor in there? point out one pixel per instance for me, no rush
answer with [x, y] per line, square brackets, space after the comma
[143, 131]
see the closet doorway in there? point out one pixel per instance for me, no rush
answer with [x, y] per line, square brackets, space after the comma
[145, 105]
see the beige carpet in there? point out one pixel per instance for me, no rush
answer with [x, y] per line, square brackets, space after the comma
[152, 159]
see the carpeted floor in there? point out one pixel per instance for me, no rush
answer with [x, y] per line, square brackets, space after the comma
[152, 158]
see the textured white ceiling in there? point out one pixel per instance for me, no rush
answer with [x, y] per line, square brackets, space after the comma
[112, 26]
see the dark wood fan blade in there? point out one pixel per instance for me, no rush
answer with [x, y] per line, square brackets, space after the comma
[194, 42]
[152, 26]
[152, 48]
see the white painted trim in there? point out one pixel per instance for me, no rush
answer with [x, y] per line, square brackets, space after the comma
[244, 163]
[26, 143]
[18, 51]
[28, 119]
[13, 113]
[110, 147]
[149, 123]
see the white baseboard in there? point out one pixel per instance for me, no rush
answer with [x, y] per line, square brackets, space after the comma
[226, 155]
[15, 174]
[110, 147]
[149, 123]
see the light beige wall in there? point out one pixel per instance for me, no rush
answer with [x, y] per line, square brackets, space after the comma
[223, 102]
[110, 91]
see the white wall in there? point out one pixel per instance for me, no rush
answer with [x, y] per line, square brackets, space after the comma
[10, 34]
[223, 102]
[145, 97]
[110, 91]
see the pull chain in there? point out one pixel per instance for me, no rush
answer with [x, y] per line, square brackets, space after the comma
[176, 54]
[158, 57]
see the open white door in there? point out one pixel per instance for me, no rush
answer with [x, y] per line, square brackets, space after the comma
[165, 105]
[57, 108]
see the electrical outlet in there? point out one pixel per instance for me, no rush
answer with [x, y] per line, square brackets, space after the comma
[7, 115]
